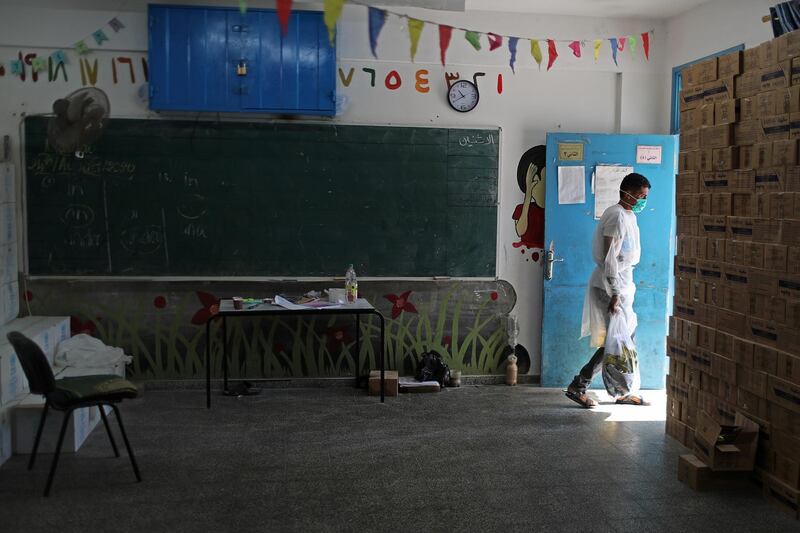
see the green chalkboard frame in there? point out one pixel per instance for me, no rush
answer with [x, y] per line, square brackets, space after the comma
[170, 197]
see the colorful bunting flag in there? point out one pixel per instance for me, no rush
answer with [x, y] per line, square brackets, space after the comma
[614, 50]
[333, 10]
[284, 12]
[621, 43]
[576, 48]
[632, 42]
[38, 64]
[16, 67]
[377, 18]
[512, 48]
[415, 27]
[59, 57]
[99, 36]
[646, 45]
[242, 7]
[536, 52]
[445, 33]
[474, 38]
[495, 41]
[552, 54]
[115, 24]
[597, 44]
[81, 48]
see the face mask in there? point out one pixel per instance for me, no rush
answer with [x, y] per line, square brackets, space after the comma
[640, 204]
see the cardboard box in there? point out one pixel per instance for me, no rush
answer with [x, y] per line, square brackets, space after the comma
[792, 318]
[731, 322]
[770, 179]
[740, 228]
[723, 368]
[687, 160]
[763, 282]
[688, 225]
[745, 132]
[750, 59]
[690, 119]
[687, 183]
[686, 204]
[710, 271]
[743, 204]
[690, 139]
[781, 495]
[775, 257]
[751, 403]
[768, 104]
[784, 419]
[390, 383]
[793, 179]
[721, 203]
[754, 254]
[765, 359]
[784, 152]
[714, 226]
[794, 125]
[790, 232]
[788, 367]
[763, 331]
[719, 90]
[777, 76]
[776, 127]
[705, 160]
[723, 345]
[720, 136]
[692, 97]
[699, 476]
[767, 230]
[795, 70]
[793, 260]
[726, 158]
[767, 54]
[748, 108]
[726, 449]
[729, 65]
[705, 116]
[787, 470]
[747, 157]
[788, 285]
[767, 307]
[685, 267]
[763, 154]
[707, 70]
[715, 248]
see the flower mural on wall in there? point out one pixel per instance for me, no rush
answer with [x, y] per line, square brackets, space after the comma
[337, 336]
[400, 303]
[210, 308]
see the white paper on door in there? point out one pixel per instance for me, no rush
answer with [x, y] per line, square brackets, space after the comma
[571, 185]
[606, 186]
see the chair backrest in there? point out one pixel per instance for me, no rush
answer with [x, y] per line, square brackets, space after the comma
[34, 363]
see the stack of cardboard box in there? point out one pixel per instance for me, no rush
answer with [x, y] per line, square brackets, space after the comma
[734, 339]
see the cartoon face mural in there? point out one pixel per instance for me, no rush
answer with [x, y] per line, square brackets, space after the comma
[529, 215]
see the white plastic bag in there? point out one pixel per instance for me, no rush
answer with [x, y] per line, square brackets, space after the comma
[621, 362]
[85, 351]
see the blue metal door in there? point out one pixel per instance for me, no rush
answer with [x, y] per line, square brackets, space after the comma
[569, 227]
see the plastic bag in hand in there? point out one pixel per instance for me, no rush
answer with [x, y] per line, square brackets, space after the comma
[621, 363]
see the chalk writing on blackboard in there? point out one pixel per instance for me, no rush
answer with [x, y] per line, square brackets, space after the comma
[472, 140]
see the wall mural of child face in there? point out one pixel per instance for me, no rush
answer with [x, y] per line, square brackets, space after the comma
[529, 215]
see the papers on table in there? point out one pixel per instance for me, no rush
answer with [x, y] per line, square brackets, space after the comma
[314, 304]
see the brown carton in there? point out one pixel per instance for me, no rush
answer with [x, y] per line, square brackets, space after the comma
[763, 331]
[704, 204]
[793, 260]
[720, 90]
[690, 75]
[767, 230]
[781, 495]
[767, 104]
[775, 127]
[747, 84]
[777, 76]
[770, 179]
[723, 368]
[795, 70]
[691, 97]
[714, 226]
[707, 70]
[790, 232]
[720, 136]
[710, 271]
[743, 204]
[743, 352]
[767, 53]
[734, 252]
[745, 132]
[765, 359]
[726, 158]
[731, 322]
[775, 256]
[705, 115]
[788, 368]
[748, 108]
[752, 403]
[690, 119]
[715, 248]
[792, 314]
[788, 285]
[763, 151]
[794, 99]
[729, 65]
[726, 450]
[690, 139]
[784, 419]
[763, 282]
[747, 156]
[740, 228]
[726, 112]
[705, 160]
[687, 183]
[783, 394]
[688, 225]
[687, 160]
[686, 204]
[685, 267]
[784, 152]
[767, 307]
[780, 204]
[750, 59]
[721, 203]
[754, 254]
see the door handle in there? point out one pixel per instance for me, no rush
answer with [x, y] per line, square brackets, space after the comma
[549, 259]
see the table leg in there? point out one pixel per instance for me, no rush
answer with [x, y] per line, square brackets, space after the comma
[358, 350]
[225, 354]
[208, 364]
[383, 359]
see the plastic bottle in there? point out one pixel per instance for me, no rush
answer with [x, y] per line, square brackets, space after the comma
[511, 370]
[351, 284]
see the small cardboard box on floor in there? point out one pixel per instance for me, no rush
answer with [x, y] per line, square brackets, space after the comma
[726, 448]
[700, 477]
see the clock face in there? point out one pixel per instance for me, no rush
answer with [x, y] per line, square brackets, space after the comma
[463, 96]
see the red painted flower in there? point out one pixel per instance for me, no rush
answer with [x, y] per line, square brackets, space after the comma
[28, 296]
[77, 326]
[160, 302]
[337, 337]
[400, 304]
[447, 340]
[209, 309]
[493, 295]
[278, 347]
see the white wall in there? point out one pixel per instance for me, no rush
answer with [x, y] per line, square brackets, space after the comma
[577, 95]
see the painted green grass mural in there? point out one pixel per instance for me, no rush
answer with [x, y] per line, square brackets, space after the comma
[165, 333]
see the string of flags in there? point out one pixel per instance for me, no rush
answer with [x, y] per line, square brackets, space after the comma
[39, 64]
[377, 19]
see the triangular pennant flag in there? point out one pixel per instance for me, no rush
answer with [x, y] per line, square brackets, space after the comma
[242, 7]
[614, 50]
[474, 38]
[512, 48]
[377, 18]
[38, 64]
[495, 41]
[99, 36]
[536, 52]
[632, 42]
[552, 54]
[115, 24]
[284, 12]
[445, 33]
[576, 48]
[621, 43]
[414, 31]
[646, 45]
[333, 10]
[16, 67]
[597, 44]
[59, 57]
[81, 48]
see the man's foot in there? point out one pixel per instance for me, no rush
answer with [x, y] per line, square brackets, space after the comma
[632, 399]
[581, 398]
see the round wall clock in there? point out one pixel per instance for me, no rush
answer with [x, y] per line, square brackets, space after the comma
[463, 96]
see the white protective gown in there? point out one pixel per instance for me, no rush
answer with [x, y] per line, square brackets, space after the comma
[613, 274]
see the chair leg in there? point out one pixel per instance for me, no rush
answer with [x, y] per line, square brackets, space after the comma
[108, 429]
[38, 436]
[127, 444]
[53, 466]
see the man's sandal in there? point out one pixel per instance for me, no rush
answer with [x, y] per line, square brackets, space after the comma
[632, 399]
[581, 399]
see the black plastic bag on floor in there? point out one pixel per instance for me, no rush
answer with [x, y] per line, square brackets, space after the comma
[431, 367]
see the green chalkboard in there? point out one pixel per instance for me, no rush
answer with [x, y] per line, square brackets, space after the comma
[202, 198]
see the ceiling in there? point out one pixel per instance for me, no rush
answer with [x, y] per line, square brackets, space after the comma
[658, 9]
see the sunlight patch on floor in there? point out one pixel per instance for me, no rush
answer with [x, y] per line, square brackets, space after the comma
[654, 412]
